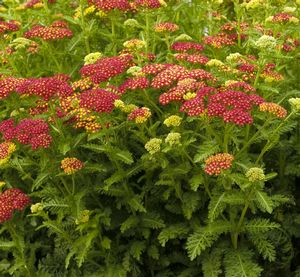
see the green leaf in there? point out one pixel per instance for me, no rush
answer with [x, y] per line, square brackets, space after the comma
[199, 241]
[137, 248]
[260, 225]
[263, 246]
[41, 179]
[216, 206]
[205, 150]
[124, 156]
[211, 264]
[238, 263]
[135, 203]
[263, 201]
[172, 232]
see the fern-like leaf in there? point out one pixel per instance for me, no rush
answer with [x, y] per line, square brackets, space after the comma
[238, 263]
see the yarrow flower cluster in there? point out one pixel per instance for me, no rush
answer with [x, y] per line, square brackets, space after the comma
[46, 88]
[168, 27]
[266, 42]
[71, 165]
[295, 103]
[92, 58]
[9, 26]
[173, 120]
[273, 108]
[6, 150]
[216, 163]
[8, 85]
[255, 174]
[153, 145]
[134, 83]
[34, 132]
[173, 138]
[139, 115]
[187, 47]
[58, 30]
[11, 200]
[105, 68]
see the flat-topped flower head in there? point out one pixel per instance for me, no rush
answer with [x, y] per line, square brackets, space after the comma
[11, 200]
[134, 44]
[295, 103]
[6, 150]
[58, 30]
[139, 115]
[266, 42]
[165, 27]
[153, 145]
[173, 138]
[255, 174]
[109, 5]
[71, 165]
[274, 109]
[216, 163]
[92, 58]
[173, 120]
[9, 26]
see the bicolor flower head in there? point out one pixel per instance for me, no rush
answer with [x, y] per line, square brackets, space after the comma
[71, 165]
[216, 163]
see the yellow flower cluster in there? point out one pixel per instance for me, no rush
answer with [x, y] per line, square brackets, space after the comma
[255, 174]
[173, 120]
[153, 145]
[173, 138]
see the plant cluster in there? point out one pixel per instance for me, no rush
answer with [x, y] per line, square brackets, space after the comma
[149, 138]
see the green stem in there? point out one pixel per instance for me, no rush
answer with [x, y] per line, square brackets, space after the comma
[83, 27]
[241, 220]
[113, 34]
[65, 185]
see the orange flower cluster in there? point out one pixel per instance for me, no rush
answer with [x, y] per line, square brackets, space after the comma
[71, 165]
[273, 108]
[216, 163]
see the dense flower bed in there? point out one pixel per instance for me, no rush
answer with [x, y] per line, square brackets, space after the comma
[149, 138]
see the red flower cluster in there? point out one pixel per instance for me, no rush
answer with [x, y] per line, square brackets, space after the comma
[187, 47]
[282, 17]
[134, 83]
[153, 69]
[9, 26]
[177, 93]
[232, 106]
[192, 58]
[106, 68]
[139, 115]
[290, 44]
[166, 27]
[11, 200]
[46, 88]
[220, 40]
[169, 75]
[58, 30]
[98, 100]
[108, 5]
[8, 85]
[29, 131]
[216, 163]
[31, 3]
[149, 4]
[241, 86]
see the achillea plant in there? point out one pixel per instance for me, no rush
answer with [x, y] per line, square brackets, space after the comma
[154, 138]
